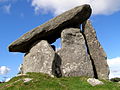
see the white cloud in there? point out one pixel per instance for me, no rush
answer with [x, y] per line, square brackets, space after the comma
[7, 79]
[4, 70]
[58, 6]
[20, 67]
[57, 49]
[7, 8]
[114, 65]
[6, 5]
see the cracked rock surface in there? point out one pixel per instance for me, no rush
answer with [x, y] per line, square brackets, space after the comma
[96, 51]
[75, 60]
[39, 58]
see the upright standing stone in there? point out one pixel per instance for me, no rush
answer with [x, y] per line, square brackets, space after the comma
[96, 51]
[74, 59]
[39, 59]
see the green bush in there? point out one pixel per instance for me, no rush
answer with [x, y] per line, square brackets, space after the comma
[115, 79]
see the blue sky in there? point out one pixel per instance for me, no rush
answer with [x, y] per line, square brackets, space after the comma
[19, 16]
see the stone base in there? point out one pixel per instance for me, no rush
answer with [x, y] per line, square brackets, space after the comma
[75, 60]
[39, 59]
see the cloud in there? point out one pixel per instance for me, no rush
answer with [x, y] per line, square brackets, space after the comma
[104, 7]
[20, 67]
[7, 8]
[4, 70]
[114, 65]
[57, 49]
[7, 79]
[6, 5]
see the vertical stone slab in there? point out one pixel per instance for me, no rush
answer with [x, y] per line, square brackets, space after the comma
[40, 58]
[74, 59]
[96, 51]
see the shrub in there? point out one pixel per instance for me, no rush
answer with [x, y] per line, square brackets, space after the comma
[116, 79]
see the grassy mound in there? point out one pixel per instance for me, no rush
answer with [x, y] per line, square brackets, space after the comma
[45, 82]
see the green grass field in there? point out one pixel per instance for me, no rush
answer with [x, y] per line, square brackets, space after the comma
[45, 82]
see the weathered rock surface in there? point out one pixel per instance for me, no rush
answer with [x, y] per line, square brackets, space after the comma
[119, 82]
[94, 82]
[95, 51]
[25, 80]
[51, 30]
[39, 59]
[74, 59]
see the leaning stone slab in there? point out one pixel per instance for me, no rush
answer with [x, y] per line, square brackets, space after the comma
[39, 59]
[51, 30]
[95, 51]
[74, 59]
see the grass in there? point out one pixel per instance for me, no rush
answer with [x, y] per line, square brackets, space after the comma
[45, 82]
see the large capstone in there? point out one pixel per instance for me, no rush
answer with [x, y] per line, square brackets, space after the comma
[51, 30]
[96, 52]
[40, 58]
[74, 58]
